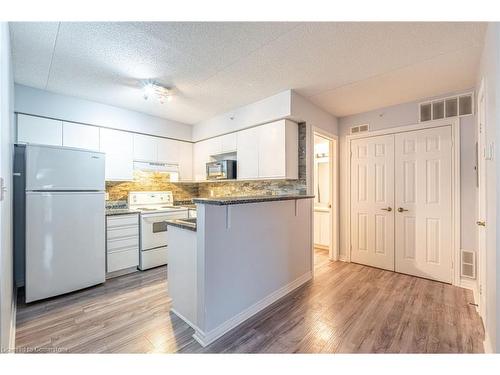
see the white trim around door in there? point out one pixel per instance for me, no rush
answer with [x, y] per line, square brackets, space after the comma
[455, 130]
[333, 252]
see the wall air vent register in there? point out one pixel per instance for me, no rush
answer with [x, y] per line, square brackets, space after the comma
[454, 106]
[359, 129]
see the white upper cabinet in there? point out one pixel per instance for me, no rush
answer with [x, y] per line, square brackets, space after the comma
[185, 161]
[269, 151]
[201, 156]
[145, 148]
[119, 149]
[213, 146]
[248, 154]
[229, 143]
[80, 136]
[168, 150]
[278, 150]
[38, 130]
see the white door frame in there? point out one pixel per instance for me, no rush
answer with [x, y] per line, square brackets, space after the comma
[455, 129]
[333, 247]
[481, 191]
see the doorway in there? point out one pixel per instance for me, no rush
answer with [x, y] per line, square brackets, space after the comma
[402, 202]
[325, 190]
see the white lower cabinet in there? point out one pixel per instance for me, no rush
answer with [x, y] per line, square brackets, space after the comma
[122, 242]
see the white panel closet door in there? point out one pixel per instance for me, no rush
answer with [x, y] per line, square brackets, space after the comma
[423, 175]
[372, 201]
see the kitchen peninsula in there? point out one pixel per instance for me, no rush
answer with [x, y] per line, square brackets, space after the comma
[241, 255]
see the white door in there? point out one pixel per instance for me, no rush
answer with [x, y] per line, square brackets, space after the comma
[423, 176]
[372, 201]
[481, 214]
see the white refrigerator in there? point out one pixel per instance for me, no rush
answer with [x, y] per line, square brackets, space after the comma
[65, 220]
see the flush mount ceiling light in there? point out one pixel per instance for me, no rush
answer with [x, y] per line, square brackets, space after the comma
[154, 90]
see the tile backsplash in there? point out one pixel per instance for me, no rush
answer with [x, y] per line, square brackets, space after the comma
[152, 181]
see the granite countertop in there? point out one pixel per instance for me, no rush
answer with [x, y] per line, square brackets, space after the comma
[189, 224]
[223, 201]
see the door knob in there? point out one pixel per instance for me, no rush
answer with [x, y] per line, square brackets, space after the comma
[387, 209]
[481, 223]
[401, 209]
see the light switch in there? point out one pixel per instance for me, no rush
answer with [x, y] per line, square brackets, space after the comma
[490, 151]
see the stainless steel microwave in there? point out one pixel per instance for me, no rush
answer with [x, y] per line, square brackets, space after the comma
[221, 170]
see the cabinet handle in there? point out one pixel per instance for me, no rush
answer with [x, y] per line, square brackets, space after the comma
[481, 223]
[387, 209]
[401, 209]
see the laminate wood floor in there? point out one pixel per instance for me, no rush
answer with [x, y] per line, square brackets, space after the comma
[347, 308]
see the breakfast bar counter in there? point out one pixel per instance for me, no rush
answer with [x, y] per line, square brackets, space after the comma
[239, 256]
[224, 201]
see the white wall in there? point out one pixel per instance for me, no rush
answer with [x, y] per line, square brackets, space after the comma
[266, 110]
[286, 104]
[248, 252]
[6, 157]
[44, 103]
[490, 71]
[302, 110]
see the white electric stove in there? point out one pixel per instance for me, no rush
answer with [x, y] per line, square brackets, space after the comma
[155, 208]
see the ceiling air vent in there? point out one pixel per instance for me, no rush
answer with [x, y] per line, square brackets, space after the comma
[468, 264]
[359, 129]
[455, 106]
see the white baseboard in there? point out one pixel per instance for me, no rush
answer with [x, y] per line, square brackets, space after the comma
[207, 338]
[188, 321]
[12, 339]
[471, 285]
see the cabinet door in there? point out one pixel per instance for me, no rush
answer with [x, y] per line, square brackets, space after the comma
[186, 161]
[80, 136]
[213, 146]
[38, 130]
[145, 148]
[229, 142]
[201, 157]
[168, 150]
[119, 149]
[248, 153]
[272, 150]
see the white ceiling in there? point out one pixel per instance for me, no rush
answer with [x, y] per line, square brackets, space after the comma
[345, 68]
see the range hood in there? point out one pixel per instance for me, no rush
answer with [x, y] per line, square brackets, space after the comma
[150, 166]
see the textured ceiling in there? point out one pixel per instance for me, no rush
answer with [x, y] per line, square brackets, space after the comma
[345, 68]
